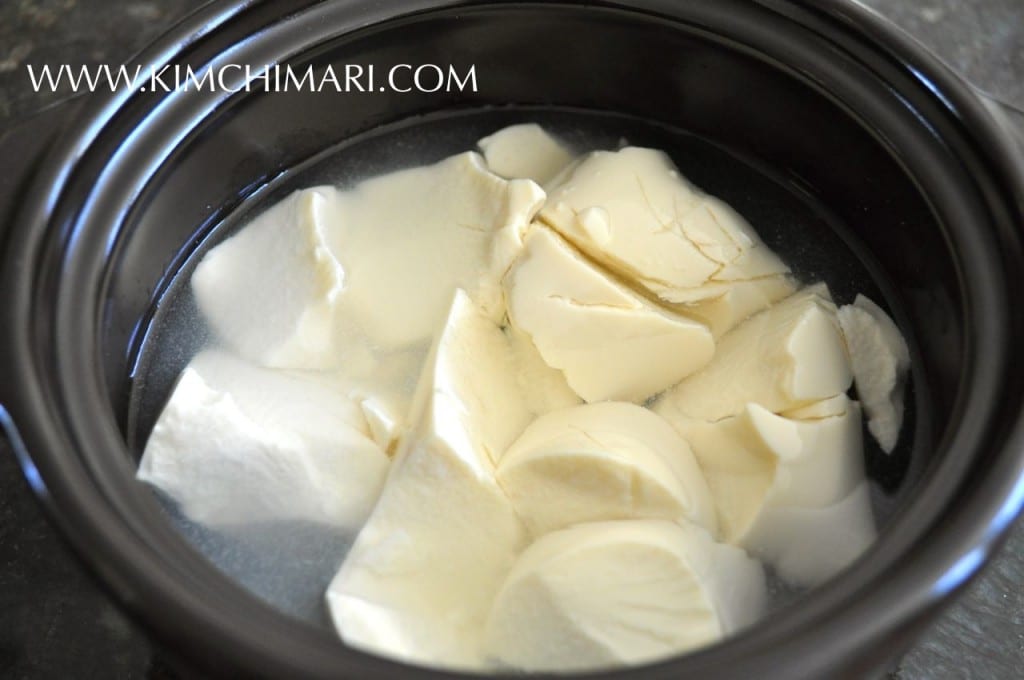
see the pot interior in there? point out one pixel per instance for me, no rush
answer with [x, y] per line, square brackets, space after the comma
[817, 245]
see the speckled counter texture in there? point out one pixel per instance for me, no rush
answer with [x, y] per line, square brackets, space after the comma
[54, 623]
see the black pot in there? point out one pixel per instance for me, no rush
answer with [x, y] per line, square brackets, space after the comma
[832, 99]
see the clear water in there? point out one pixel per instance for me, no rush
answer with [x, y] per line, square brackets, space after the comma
[291, 564]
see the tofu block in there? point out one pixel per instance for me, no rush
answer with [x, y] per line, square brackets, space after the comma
[268, 292]
[606, 594]
[766, 471]
[543, 387]
[238, 444]
[631, 211]
[525, 151]
[610, 343]
[419, 581]
[809, 545]
[408, 239]
[789, 355]
[737, 302]
[880, 360]
[604, 461]
[384, 393]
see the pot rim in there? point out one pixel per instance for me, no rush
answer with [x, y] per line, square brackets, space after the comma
[101, 537]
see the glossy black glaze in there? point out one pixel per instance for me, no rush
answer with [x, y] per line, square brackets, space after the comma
[898, 148]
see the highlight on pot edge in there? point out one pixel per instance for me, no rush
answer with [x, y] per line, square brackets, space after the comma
[556, 407]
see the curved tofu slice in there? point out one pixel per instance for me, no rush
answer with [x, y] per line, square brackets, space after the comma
[610, 343]
[605, 461]
[880, 360]
[525, 151]
[238, 444]
[631, 211]
[423, 572]
[765, 470]
[268, 291]
[408, 239]
[784, 357]
[606, 594]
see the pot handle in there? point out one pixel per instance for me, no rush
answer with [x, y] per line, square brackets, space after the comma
[22, 147]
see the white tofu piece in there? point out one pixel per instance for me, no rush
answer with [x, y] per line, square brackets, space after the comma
[420, 579]
[631, 211]
[809, 545]
[278, 294]
[268, 292]
[604, 461]
[880, 360]
[610, 343]
[507, 243]
[543, 387]
[606, 594]
[408, 239]
[384, 393]
[766, 471]
[238, 444]
[737, 302]
[730, 241]
[525, 151]
[787, 356]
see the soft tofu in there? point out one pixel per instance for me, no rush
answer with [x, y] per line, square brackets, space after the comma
[268, 292]
[631, 211]
[543, 387]
[880, 359]
[422, 574]
[239, 444]
[606, 594]
[525, 151]
[809, 545]
[737, 302]
[384, 393]
[610, 343]
[766, 471]
[604, 461]
[345, 280]
[787, 356]
[408, 239]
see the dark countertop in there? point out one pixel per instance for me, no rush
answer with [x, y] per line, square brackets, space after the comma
[54, 621]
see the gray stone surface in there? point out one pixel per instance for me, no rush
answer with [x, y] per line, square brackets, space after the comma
[55, 623]
[981, 39]
[982, 635]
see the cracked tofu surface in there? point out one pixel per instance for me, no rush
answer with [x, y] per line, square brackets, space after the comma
[631, 211]
[611, 343]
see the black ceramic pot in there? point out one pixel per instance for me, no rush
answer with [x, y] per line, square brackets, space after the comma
[117, 190]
